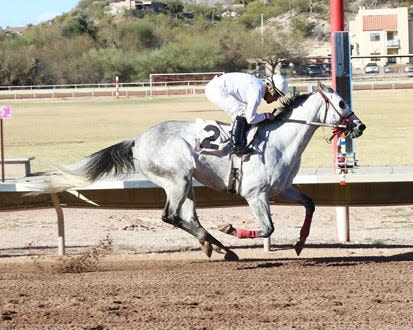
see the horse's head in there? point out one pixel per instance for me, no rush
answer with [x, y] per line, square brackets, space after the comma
[338, 113]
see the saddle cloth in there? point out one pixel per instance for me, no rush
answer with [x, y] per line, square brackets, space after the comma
[213, 137]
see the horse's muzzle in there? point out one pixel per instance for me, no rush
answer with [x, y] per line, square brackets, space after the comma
[356, 128]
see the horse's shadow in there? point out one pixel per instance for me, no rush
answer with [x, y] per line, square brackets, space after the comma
[339, 261]
[354, 260]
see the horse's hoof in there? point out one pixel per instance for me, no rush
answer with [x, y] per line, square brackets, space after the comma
[231, 256]
[228, 229]
[299, 245]
[206, 247]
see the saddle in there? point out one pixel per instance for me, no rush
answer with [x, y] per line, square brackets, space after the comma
[214, 138]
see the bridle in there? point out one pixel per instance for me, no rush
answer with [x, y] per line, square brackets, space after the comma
[343, 125]
[343, 119]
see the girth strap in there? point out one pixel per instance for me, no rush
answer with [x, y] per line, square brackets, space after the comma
[235, 174]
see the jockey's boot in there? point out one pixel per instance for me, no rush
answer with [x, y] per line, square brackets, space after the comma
[239, 137]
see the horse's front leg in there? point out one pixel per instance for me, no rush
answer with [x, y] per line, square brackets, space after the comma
[293, 195]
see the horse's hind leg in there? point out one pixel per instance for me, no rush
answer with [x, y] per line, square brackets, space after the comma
[206, 240]
[180, 212]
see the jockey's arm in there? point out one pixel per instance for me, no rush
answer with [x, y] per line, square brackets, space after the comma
[254, 100]
[253, 117]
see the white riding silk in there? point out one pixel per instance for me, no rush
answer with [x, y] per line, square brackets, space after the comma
[238, 94]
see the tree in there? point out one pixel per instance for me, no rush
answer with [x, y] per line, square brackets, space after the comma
[303, 26]
[136, 35]
[175, 8]
[80, 24]
[86, 45]
[276, 49]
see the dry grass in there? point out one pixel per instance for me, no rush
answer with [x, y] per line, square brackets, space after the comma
[63, 131]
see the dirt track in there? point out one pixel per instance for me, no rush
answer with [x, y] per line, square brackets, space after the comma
[367, 284]
[185, 291]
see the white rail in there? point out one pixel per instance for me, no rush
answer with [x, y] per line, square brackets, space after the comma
[176, 88]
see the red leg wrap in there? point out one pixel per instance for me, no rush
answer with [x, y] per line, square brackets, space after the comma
[305, 229]
[244, 233]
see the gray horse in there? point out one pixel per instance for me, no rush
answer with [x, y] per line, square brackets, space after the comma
[166, 154]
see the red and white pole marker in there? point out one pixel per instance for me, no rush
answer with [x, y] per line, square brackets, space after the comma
[117, 87]
[341, 82]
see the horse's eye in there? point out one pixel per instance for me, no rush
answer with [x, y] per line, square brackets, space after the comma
[342, 104]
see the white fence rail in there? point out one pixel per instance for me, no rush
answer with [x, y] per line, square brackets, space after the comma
[177, 88]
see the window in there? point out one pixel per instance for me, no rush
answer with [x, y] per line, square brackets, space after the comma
[390, 35]
[374, 36]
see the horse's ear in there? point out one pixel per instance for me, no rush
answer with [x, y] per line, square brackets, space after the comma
[324, 87]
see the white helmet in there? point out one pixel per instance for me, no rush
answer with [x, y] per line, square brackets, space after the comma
[278, 83]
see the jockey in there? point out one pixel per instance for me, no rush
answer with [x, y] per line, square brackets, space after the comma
[239, 95]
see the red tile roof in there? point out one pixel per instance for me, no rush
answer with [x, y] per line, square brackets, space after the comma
[380, 23]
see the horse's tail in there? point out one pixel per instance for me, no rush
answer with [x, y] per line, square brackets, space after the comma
[117, 158]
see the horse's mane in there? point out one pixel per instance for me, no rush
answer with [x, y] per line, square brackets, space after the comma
[289, 103]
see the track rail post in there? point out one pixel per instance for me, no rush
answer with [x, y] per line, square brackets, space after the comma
[60, 224]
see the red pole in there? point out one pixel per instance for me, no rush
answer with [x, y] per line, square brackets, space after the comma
[336, 25]
[336, 15]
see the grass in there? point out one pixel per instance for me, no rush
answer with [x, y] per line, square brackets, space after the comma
[63, 131]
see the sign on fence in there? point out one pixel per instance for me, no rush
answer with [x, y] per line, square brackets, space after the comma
[5, 111]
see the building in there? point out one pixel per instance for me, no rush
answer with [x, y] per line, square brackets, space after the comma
[116, 8]
[140, 7]
[381, 32]
[14, 30]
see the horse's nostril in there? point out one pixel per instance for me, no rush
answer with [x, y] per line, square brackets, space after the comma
[362, 127]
